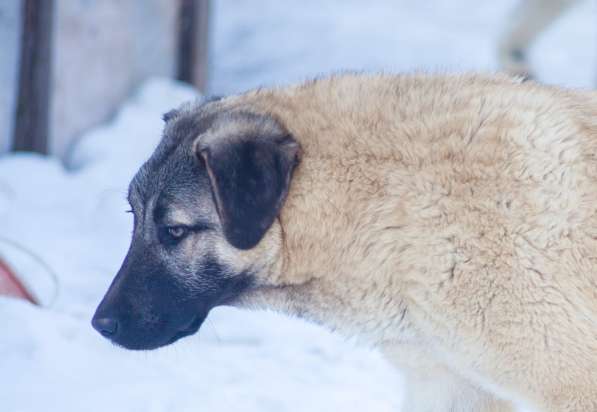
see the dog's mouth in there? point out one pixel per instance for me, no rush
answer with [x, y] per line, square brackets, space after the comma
[163, 323]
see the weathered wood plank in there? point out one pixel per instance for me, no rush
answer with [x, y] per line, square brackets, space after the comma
[32, 111]
[193, 31]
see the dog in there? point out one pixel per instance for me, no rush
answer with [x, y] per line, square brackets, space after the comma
[448, 220]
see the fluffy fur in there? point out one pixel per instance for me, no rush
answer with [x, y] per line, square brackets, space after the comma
[449, 221]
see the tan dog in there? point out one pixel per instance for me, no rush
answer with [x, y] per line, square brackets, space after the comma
[450, 221]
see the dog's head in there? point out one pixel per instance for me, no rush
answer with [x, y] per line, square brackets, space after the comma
[202, 206]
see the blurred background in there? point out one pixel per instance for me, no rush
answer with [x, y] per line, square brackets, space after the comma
[83, 85]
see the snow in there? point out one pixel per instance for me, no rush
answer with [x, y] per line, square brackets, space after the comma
[281, 42]
[73, 217]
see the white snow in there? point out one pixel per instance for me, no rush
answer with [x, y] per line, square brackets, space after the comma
[52, 360]
[277, 42]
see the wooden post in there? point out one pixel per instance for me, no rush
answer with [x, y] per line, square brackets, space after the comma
[32, 111]
[193, 30]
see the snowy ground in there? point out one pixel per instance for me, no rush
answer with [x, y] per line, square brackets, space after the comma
[51, 360]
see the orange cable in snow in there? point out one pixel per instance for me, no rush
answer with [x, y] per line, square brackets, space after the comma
[37, 259]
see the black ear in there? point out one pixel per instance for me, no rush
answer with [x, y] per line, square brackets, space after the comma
[250, 178]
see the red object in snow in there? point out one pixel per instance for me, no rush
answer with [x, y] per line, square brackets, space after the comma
[11, 286]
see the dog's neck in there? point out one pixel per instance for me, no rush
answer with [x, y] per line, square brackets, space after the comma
[332, 266]
[340, 254]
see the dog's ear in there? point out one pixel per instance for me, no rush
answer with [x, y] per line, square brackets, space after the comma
[250, 178]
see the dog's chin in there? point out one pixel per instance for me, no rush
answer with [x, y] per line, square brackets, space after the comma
[191, 329]
[144, 343]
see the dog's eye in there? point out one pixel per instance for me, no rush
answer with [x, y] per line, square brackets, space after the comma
[177, 232]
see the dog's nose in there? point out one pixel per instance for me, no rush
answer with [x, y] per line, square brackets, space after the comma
[105, 326]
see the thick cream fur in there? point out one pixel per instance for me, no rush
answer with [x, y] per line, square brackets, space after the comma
[450, 221]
